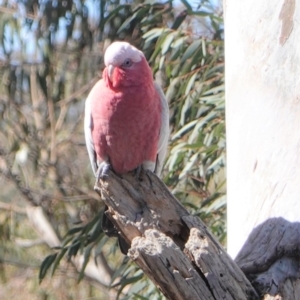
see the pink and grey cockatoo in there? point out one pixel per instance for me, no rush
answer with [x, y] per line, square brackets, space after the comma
[126, 115]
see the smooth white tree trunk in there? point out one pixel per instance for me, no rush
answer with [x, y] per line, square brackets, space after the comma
[262, 47]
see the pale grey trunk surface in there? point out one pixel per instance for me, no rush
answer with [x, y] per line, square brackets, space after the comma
[263, 142]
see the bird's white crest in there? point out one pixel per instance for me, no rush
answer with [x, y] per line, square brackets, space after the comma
[117, 52]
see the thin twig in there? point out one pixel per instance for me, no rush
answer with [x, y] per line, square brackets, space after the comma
[17, 181]
[11, 207]
[78, 93]
[11, 11]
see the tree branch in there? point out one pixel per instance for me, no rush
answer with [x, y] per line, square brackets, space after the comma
[173, 248]
[270, 258]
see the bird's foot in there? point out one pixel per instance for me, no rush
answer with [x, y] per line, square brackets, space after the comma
[102, 171]
[138, 172]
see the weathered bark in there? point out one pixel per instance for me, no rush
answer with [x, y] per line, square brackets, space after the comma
[173, 248]
[270, 258]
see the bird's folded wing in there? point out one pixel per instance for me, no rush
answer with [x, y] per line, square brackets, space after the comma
[164, 131]
[88, 126]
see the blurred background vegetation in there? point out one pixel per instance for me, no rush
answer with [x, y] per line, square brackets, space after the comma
[51, 54]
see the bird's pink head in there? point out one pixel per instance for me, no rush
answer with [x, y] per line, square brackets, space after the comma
[125, 66]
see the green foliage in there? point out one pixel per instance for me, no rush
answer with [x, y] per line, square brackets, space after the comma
[83, 239]
[193, 70]
[43, 159]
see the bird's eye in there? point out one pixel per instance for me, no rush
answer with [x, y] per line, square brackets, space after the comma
[127, 63]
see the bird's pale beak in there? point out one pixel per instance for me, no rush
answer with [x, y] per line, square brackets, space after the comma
[110, 71]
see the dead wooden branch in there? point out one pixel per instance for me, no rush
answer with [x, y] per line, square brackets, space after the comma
[173, 248]
[270, 258]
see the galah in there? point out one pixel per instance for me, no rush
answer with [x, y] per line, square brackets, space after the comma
[126, 115]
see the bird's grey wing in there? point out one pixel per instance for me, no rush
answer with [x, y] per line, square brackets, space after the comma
[164, 131]
[88, 127]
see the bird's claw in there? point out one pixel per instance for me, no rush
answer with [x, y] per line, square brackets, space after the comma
[138, 172]
[102, 171]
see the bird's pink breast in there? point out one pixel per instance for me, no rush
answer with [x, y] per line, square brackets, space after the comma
[126, 125]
